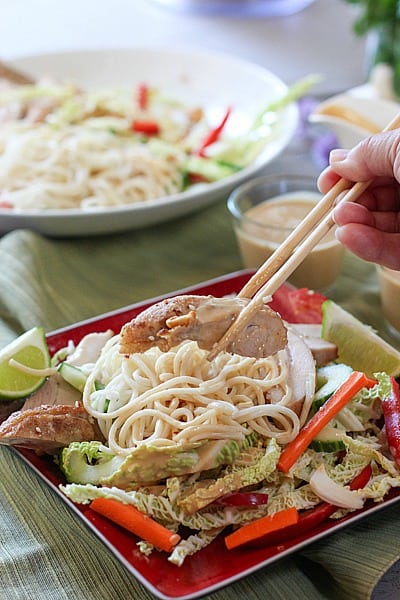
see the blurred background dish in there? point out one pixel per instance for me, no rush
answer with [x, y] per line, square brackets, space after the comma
[211, 80]
[359, 111]
[239, 8]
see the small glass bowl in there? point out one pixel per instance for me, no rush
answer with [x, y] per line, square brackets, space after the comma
[265, 211]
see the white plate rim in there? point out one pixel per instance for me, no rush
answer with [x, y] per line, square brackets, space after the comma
[54, 220]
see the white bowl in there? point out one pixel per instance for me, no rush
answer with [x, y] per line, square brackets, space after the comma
[353, 118]
[213, 81]
[360, 111]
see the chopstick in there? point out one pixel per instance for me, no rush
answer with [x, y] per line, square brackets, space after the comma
[291, 253]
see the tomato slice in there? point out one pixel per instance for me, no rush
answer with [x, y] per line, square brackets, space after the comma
[306, 305]
[245, 499]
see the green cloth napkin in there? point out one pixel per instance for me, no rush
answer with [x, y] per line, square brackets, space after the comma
[45, 550]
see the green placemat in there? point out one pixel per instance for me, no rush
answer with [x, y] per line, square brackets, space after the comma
[45, 551]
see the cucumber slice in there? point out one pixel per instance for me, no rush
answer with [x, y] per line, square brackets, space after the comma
[328, 446]
[329, 439]
[329, 379]
[73, 375]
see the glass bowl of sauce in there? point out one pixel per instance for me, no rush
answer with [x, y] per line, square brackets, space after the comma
[265, 211]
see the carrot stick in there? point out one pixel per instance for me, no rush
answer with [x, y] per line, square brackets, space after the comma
[257, 529]
[130, 518]
[355, 382]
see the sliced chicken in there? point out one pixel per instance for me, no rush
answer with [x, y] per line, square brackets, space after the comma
[55, 391]
[6, 408]
[322, 350]
[203, 319]
[54, 416]
[47, 428]
[89, 348]
[302, 374]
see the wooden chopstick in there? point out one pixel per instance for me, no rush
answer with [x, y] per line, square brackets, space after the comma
[289, 255]
[276, 260]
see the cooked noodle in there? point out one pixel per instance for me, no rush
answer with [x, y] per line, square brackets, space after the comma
[77, 167]
[179, 396]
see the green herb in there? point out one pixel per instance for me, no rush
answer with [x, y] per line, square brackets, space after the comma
[382, 17]
[375, 13]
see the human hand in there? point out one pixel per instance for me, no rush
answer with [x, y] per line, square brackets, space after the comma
[370, 227]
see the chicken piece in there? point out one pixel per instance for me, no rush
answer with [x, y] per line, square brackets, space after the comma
[204, 319]
[53, 416]
[47, 428]
[302, 373]
[55, 391]
[322, 350]
[89, 348]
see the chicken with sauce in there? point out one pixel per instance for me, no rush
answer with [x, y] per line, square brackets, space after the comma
[54, 416]
[203, 319]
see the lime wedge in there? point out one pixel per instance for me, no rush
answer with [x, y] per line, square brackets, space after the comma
[29, 349]
[359, 346]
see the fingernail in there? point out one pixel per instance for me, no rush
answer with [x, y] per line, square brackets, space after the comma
[338, 155]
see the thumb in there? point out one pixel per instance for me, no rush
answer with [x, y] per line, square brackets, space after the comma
[375, 156]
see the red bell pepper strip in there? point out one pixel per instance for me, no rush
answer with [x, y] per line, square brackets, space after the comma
[354, 383]
[310, 519]
[196, 178]
[143, 96]
[214, 135]
[391, 414]
[145, 127]
[5, 204]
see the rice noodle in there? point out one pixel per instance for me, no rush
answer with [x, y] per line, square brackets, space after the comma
[179, 396]
[78, 167]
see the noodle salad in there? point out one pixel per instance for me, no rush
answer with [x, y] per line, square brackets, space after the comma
[179, 449]
[63, 147]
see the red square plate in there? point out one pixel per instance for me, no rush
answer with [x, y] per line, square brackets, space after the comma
[214, 566]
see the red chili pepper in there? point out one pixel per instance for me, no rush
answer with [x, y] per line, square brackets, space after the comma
[145, 127]
[143, 96]
[310, 519]
[391, 414]
[214, 134]
[247, 499]
[196, 178]
[4, 204]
